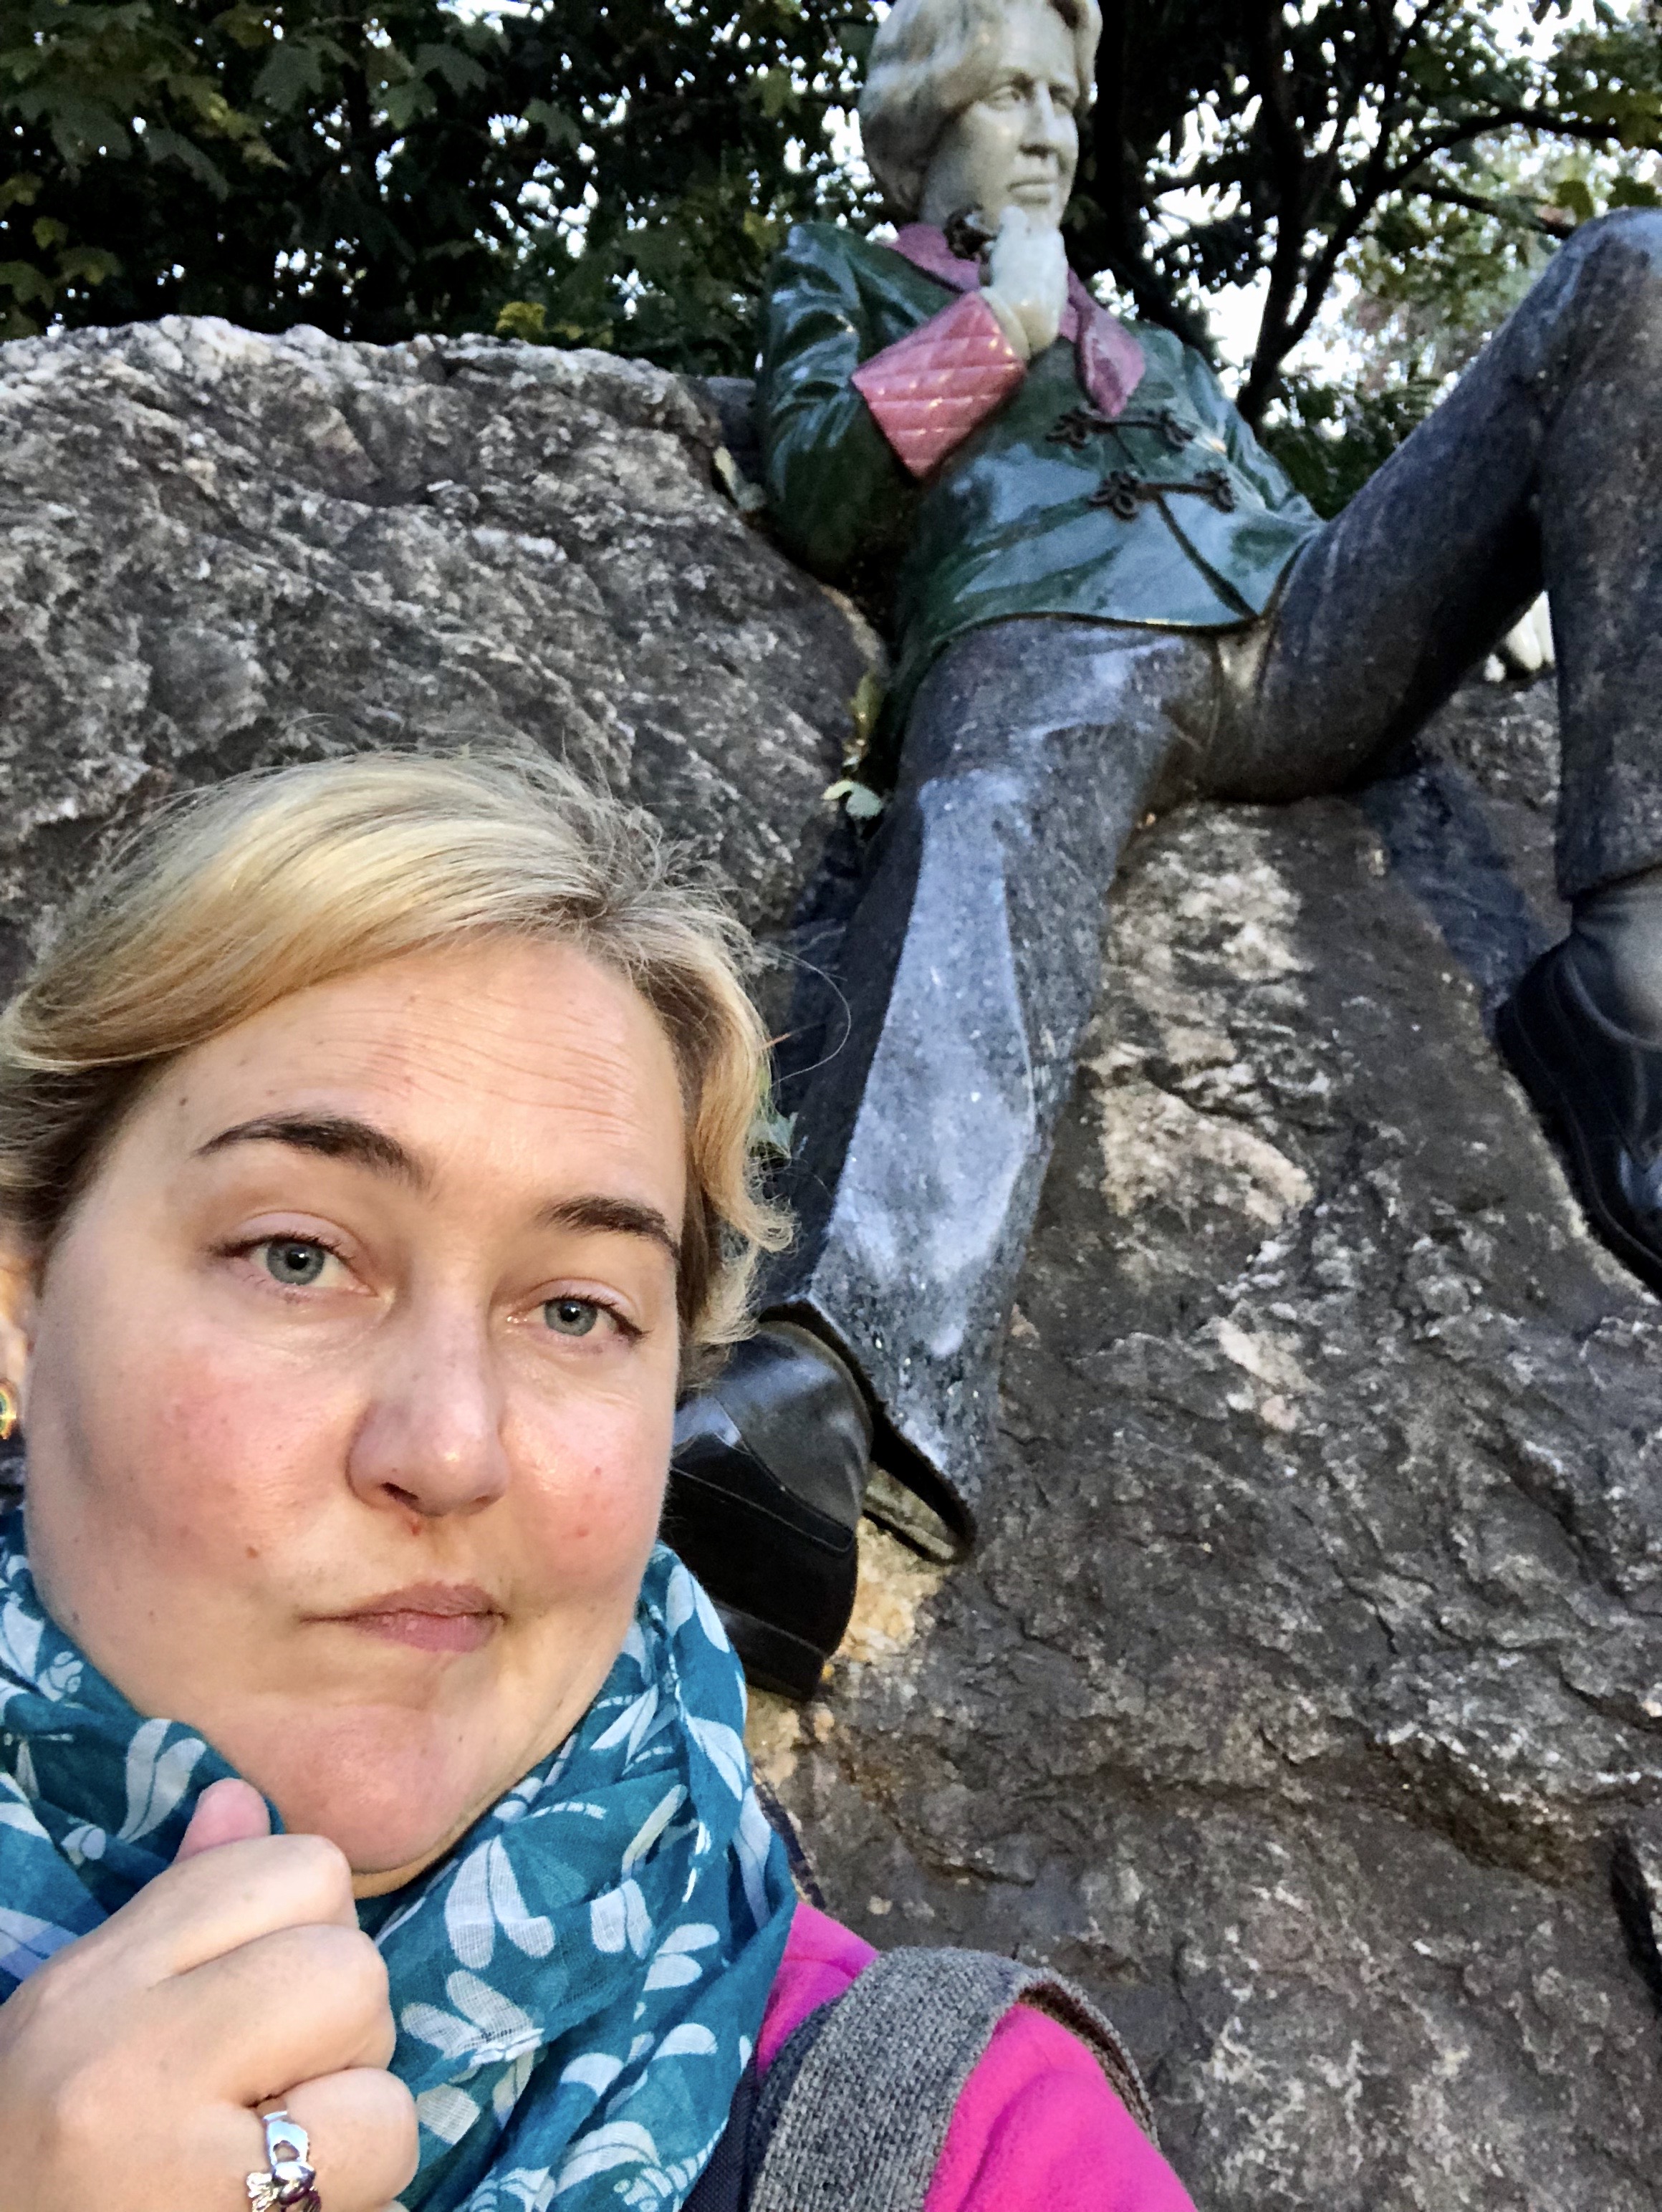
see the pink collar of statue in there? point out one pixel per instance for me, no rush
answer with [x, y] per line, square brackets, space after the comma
[1110, 359]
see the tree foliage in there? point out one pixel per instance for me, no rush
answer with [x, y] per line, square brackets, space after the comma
[407, 166]
[618, 171]
[1262, 141]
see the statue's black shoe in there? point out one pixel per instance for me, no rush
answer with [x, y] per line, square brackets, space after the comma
[766, 1486]
[1601, 1087]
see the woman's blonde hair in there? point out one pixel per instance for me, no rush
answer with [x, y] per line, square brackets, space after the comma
[930, 61]
[237, 897]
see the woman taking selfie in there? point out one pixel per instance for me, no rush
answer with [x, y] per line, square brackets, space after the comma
[375, 1824]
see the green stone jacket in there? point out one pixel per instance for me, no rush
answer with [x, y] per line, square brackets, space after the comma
[1045, 508]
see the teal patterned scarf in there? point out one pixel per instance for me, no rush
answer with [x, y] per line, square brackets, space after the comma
[577, 1987]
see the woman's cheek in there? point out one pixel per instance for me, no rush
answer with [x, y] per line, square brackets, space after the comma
[220, 1428]
[598, 1487]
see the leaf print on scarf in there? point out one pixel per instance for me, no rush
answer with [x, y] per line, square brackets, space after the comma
[26, 1944]
[652, 1829]
[620, 2142]
[671, 1968]
[16, 1811]
[632, 1727]
[595, 2070]
[483, 1897]
[158, 1775]
[688, 2041]
[753, 1845]
[491, 2030]
[685, 1600]
[724, 1748]
[619, 1916]
[19, 1646]
[525, 2190]
[448, 2113]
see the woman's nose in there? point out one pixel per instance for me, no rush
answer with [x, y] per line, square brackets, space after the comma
[431, 1440]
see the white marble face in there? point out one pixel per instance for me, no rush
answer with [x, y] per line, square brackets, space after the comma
[1017, 145]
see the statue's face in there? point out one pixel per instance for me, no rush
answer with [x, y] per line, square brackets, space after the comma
[1018, 145]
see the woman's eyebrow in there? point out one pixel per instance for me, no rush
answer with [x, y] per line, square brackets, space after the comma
[336, 1136]
[340, 1137]
[623, 1217]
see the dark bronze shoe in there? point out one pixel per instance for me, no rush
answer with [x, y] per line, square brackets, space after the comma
[766, 1486]
[1601, 1088]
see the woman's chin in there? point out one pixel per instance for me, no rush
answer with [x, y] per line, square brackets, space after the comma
[385, 1846]
[391, 1809]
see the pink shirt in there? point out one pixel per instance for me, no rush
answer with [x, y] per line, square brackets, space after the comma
[1036, 2130]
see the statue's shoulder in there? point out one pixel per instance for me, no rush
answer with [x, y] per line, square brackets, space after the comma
[1183, 375]
[827, 253]
[1185, 368]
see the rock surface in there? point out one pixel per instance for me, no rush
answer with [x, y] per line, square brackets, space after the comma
[1305, 1698]
[218, 549]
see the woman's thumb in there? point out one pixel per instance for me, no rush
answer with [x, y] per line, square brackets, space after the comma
[228, 1811]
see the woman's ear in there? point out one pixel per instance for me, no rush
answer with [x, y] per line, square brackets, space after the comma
[19, 1277]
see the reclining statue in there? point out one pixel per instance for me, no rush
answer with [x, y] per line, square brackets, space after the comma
[1106, 598]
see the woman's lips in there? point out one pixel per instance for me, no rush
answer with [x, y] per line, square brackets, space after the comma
[429, 1617]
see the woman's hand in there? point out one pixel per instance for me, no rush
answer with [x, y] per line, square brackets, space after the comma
[1027, 278]
[131, 2064]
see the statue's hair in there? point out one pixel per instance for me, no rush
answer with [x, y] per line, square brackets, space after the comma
[237, 897]
[930, 61]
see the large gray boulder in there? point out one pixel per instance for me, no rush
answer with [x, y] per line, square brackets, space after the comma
[218, 549]
[1305, 1699]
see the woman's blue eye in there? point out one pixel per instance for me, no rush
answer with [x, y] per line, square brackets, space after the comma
[293, 1261]
[571, 1316]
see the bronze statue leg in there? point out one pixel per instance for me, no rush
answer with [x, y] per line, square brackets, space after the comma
[969, 969]
[1545, 465]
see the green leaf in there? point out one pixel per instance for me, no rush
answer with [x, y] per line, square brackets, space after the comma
[524, 319]
[247, 26]
[87, 264]
[459, 70]
[292, 68]
[1572, 195]
[25, 282]
[408, 103]
[775, 92]
[556, 125]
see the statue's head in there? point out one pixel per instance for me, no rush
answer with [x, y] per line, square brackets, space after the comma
[974, 104]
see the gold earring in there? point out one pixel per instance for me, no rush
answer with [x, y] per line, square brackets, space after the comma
[8, 1412]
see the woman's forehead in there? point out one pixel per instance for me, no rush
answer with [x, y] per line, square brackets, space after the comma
[507, 1053]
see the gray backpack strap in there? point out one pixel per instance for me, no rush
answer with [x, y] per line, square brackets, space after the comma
[853, 2114]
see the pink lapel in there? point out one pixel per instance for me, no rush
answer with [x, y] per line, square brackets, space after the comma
[1110, 359]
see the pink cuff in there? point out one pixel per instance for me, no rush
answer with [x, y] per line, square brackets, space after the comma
[930, 389]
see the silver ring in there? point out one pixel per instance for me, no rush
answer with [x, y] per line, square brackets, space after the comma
[288, 2184]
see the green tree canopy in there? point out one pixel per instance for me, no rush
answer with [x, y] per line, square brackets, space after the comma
[618, 171]
[415, 166]
[1259, 140]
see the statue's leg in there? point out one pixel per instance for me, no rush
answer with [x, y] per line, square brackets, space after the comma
[968, 971]
[1545, 465]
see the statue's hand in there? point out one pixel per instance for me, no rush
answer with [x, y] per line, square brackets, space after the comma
[1027, 278]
